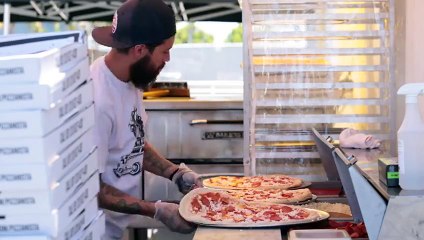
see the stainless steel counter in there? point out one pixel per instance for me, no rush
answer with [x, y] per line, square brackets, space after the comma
[400, 215]
[367, 164]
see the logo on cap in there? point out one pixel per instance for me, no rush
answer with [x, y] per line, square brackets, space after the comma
[115, 22]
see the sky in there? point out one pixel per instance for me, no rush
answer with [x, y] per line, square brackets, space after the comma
[219, 30]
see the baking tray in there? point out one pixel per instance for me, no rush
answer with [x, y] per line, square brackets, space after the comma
[312, 199]
[305, 184]
[188, 216]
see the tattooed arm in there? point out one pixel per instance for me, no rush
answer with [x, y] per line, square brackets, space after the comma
[115, 200]
[181, 175]
[156, 163]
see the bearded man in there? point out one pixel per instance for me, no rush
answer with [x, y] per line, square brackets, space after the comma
[141, 36]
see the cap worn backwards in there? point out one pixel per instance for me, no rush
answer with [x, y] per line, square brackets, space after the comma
[138, 22]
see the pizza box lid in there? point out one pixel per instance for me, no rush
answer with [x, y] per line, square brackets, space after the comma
[44, 150]
[44, 96]
[17, 44]
[38, 68]
[38, 123]
[319, 234]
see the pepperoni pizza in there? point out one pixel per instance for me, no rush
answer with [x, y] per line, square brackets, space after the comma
[274, 195]
[257, 182]
[215, 207]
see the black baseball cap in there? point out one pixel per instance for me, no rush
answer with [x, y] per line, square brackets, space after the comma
[138, 22]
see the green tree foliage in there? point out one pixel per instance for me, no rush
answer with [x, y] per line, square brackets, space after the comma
[37, 27]
[236, 35]
[191, 34]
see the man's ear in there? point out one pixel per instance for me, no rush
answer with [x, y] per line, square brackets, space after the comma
[140, 50]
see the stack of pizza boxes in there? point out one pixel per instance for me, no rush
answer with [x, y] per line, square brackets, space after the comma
[48, 161]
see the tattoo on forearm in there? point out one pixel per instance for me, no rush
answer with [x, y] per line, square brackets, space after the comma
[115, 200]
[112, 191]
[154, 163]
[133, 208]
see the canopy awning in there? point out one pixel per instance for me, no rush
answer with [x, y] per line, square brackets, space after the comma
[68, 10]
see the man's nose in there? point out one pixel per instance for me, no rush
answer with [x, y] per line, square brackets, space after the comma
[167, 58]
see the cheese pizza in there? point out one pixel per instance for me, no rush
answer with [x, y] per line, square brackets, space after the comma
[257, 182]
[274, 195]
[216, 207]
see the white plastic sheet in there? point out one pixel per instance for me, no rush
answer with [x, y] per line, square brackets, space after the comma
[326, 64]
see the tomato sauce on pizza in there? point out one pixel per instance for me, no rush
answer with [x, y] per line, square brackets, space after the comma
[274, 195]
[217, 207]
[266, 181]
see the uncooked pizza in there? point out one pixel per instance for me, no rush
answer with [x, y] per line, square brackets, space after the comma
[217, 207]
[257, 182]
[274, 195]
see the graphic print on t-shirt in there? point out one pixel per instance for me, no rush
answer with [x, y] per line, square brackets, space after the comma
[129, 164]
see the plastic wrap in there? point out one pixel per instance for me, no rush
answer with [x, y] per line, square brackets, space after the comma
[325, 64]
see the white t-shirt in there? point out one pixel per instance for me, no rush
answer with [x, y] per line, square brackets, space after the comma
[119, 135]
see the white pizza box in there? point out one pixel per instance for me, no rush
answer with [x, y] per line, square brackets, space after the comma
[24, 237]
[38, 123]
[31, 190]
[46, 95]
[42, 150]
[95, 231]
[53, 223]
[83, 224]
[15, 44]
[71, 157]
[59, 161]
[36, 200]
[38, 68]
[89, 225]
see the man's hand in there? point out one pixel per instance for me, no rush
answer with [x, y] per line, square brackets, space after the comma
[186, 179]
[168, 214]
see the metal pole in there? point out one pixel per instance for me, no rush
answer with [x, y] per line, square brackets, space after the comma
[6, 19]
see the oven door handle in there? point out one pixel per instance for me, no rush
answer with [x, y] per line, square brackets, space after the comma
[206, 121]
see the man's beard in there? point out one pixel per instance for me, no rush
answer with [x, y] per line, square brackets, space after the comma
[143, 72]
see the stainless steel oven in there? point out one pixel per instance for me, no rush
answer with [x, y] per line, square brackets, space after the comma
[204, 134]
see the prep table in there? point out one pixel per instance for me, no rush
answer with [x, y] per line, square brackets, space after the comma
[397, 214]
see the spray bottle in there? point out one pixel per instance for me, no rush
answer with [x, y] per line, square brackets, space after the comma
[410, 139]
